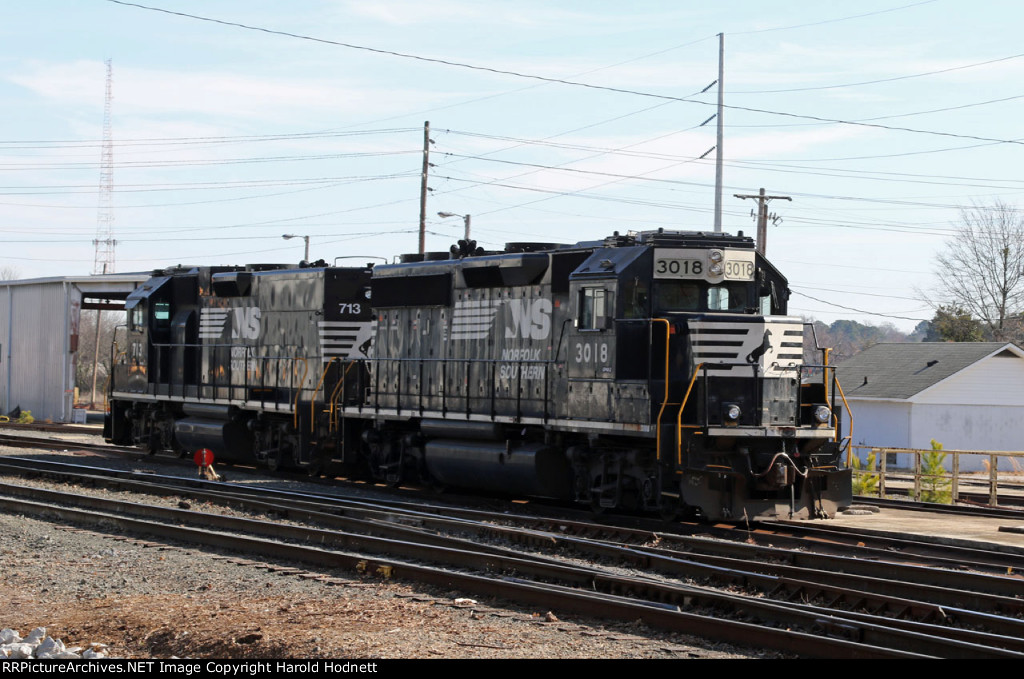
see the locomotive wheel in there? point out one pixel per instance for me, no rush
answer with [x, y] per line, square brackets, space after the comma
[274, 461]
[595, 497]
[669, 512]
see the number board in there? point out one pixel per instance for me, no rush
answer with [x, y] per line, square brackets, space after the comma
[691, 263]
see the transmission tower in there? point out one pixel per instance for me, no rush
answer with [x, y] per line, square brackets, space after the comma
[104, 259]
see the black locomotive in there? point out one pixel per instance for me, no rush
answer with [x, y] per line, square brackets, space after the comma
[655, 370]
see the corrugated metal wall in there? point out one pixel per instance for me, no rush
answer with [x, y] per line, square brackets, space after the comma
[36, 360]
[6, 293]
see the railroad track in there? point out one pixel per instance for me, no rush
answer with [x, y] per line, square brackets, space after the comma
[396, 539]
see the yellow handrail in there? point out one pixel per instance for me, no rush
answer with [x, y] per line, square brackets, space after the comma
[664, 402]
[824, 372]
[334, 396]
[679, 419]
[850, 412]
[312, 400]
[298, 392]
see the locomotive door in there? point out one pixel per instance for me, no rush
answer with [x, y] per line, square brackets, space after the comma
[591, 350]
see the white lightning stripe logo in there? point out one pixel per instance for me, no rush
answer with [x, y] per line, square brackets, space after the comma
[211, 322]
[473, 319]
[772, 344]
[345, 339]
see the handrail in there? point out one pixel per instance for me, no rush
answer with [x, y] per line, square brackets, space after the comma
[316, 390]
[664, 401]
[679, 419]
[824, 373]
[846, 404]
[334, 396]
[298, 392]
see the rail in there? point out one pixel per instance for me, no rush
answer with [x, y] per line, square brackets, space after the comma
[288, 382]
[682, 406]
[507, 388]
[468, 386]
[335, 400]
[930, 480]
[664, 400]
[220, 372]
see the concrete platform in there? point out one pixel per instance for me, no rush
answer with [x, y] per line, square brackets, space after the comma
[948, 528]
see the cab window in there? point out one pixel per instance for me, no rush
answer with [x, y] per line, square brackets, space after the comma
[728, 297]
[162, 314]
[677, 296]
[593, 309]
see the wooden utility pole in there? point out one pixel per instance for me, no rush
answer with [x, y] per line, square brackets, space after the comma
[762, 216]
[423, 187]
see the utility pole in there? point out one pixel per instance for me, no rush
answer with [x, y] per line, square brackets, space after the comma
[424, 188]
[720, 135]
[763, 216]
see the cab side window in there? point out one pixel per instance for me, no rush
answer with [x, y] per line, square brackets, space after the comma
[137, 318]
[593, 309]
[162, 315]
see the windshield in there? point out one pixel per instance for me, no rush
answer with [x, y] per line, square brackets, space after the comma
[697, 296]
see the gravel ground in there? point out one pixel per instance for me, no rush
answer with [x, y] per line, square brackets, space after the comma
[148, 600]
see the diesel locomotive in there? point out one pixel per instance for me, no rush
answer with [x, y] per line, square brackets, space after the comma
[656, 371]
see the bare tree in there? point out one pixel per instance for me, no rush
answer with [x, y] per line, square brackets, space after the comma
[981, 271]
[9, 273]
[87, 348]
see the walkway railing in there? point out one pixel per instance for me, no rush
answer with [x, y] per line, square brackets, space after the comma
[934, 475]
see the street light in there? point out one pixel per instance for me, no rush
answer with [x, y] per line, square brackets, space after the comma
[465, 218]
[289, 236]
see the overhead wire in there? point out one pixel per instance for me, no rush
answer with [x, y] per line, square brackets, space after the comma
[573, 83]
[511, 73]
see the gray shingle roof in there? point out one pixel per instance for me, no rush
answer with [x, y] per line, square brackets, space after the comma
[902, 370]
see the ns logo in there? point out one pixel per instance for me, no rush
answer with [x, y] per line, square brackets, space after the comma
[531, 319]
[245, 322]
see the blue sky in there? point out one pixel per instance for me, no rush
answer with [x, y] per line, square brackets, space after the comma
[880, 120]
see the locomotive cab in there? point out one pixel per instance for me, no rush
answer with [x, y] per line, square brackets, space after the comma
[687, 333]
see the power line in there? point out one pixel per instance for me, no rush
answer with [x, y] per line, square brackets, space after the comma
[860, 311]
[174, 141]
[881, 80]
[572, 83]
[832, 21]
[199, 162]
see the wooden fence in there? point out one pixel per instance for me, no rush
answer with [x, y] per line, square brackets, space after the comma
[929, 483]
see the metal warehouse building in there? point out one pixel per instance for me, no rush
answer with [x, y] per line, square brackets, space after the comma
[39, 320]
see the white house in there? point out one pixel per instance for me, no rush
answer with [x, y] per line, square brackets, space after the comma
[965, 395]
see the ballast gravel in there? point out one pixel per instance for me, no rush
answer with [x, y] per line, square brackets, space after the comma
[128, 597]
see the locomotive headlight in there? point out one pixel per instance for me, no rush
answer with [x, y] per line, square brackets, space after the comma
[733, 412]
[715, 269]
[715, 255]
[822, 414]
